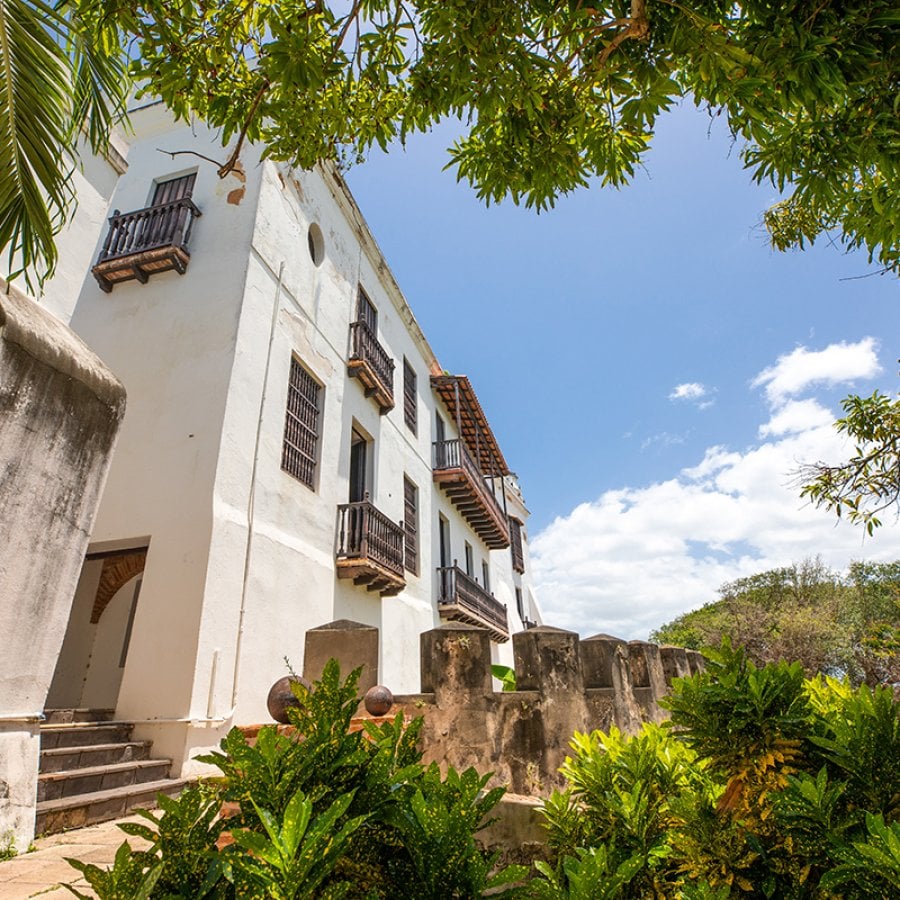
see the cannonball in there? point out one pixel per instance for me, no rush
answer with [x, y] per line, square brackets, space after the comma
[378, 700]
[281, 697]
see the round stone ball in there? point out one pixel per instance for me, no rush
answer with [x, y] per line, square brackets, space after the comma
[378, 700]
[281, 697]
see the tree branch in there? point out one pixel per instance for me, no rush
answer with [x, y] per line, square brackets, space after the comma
[232, 160]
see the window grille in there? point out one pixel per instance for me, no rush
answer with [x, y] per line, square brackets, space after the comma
[301, 426]
[411, 526]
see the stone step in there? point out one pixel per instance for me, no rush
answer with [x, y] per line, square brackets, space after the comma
[67, 758]
[82, 716]
[87, 809]
[67, 783]
[77, 735]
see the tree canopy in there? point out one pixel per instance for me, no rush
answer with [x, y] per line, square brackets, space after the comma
[869, 482]
[805, 613]
[550, 93]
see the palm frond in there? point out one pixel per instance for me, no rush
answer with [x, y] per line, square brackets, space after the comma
[35, 112]
[60, 72]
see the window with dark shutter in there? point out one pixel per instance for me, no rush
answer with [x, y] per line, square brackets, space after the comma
[411, 526]
[173, 189]
[409, 396]
[515, 545]
[366, 312]
[301, 426]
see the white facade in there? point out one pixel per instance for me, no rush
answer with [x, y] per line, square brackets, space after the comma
[240, 554]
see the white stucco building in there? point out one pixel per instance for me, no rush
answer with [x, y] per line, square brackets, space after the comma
[292, 452]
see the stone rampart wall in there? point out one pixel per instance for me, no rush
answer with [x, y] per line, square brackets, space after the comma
[564, 684]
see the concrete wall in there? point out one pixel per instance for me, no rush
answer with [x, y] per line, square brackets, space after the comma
[60, 409]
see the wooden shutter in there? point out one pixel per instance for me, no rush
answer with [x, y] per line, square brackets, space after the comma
[173, 189]
[366, 312]
[515, 545]
[411, 526]
[410, 411]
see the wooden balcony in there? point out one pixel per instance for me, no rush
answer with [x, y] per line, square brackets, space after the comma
[370, 548]
[457, 473]
[462, 599]
[145, 242]
[370, 363]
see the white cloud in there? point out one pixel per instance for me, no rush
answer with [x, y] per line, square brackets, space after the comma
[690, 391]
[637, 557]
[802, 368]
[662, 440]
[796, 416]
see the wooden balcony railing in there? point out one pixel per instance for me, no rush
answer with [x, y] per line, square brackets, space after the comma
[145, 242]
[371, 364]
[370, 548]
[458, 474]
[462, 598]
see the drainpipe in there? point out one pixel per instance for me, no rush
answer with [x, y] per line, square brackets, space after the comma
[251, 499]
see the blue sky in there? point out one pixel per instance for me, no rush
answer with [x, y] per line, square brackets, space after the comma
[618, 343]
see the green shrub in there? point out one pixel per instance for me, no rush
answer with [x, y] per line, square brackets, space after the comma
[320, 812]
[762, 785]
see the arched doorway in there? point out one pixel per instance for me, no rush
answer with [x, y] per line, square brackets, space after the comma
[92, 659]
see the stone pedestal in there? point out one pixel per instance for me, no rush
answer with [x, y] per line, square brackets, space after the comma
[350, 643]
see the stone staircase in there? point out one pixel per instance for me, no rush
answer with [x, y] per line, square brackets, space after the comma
[92, 771]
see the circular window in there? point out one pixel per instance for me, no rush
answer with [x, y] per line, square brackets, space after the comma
[316, 244]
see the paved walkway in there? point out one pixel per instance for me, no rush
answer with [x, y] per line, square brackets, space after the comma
[42, 872]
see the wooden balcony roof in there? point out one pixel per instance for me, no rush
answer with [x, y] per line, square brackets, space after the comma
[459, 397]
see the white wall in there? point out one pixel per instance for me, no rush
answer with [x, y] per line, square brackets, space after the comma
[241, 559]
[94, 181]
[172, 341]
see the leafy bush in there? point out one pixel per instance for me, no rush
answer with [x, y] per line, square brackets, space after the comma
[763, 784]
[321, 812]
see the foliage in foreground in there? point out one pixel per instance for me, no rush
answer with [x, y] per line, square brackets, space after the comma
[869, 482]
[319, 813]
[549, 94]
[806, 613]
[763, 785]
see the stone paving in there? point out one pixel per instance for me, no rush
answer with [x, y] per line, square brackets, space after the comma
[42, 871]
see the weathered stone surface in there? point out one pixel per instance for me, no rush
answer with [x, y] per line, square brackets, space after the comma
[695, 661]
[675, 663]
[350, 643]
[60, 410]
[564, 685]
[456, 664]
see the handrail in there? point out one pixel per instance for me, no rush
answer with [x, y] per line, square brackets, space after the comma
[164, 225]
[456, 587]
[453, 454]
[364, 532]
[367, 348]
